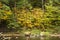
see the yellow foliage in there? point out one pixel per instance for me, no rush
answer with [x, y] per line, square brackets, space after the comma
[36, 24]
[30, 25]
[1, 5]
[5, 14]
[27, 17]
[8, 12]
[20, 19]
[4, 17]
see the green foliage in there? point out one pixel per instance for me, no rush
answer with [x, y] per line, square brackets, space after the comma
[5, 12]
[23, 3]
[36, 3]
[53, 12]
[34, 18]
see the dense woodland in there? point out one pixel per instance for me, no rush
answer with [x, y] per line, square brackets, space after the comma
[43, 15]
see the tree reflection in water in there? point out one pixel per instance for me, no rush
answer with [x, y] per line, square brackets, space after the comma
[36, 38]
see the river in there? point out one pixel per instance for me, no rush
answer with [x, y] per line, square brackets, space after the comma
[37, 38]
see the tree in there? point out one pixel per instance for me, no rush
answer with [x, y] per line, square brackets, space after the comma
[52, 11]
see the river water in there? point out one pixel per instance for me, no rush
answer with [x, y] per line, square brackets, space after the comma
[37, 38]
[32, 38]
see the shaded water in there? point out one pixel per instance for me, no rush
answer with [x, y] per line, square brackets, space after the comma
[54, 38]
[37, 38]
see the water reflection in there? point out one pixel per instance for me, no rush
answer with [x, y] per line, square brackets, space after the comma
[48, 38]
[54, 38]
[36, 38]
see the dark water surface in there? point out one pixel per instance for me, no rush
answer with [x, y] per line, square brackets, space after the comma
[37, 38]
[33, 38]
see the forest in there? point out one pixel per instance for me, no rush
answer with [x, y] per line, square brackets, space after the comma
[30, 15]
